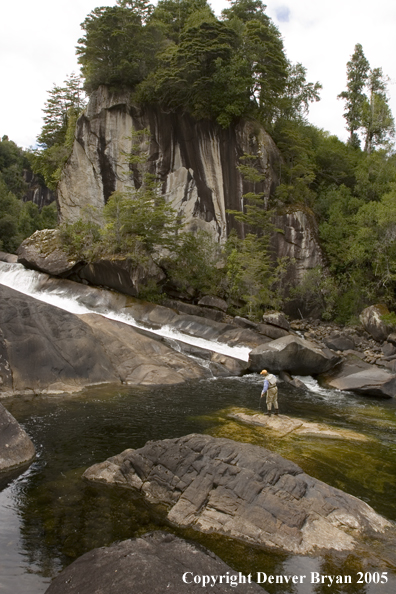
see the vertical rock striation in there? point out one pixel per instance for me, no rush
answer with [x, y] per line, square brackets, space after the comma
[195, 160]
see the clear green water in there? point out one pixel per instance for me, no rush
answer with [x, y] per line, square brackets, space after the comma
[49, 516]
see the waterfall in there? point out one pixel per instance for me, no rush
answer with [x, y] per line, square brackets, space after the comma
[80, 299]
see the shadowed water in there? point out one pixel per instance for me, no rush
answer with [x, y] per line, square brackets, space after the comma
[49, 515]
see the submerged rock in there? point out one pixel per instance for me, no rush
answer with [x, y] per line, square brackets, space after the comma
[154, 563]
[283, 425]
[16, 447]
[294, 355]
[242, 491]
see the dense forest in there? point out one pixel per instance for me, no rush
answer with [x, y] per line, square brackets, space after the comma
[180, 55]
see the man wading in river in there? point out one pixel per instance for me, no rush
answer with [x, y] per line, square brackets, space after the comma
[271, 391]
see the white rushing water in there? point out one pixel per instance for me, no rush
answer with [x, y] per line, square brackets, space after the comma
[38, 285]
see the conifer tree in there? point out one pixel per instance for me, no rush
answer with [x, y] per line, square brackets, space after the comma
[358, 69]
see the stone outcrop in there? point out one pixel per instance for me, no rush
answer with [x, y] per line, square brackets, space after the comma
[196, 160]
[242, 491]
[197, 163]
[372, 322]
[46, 349]
[151, 564]
[297, 241]
[43, 251]
[355, 375]
[16, 447]
[294, 355]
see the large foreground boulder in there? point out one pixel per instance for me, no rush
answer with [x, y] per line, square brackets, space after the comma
[155, 563]
[294, 355]
[16, 447]
[242, 491]
[46, 349]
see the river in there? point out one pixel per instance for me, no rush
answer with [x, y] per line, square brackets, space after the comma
[50, 516]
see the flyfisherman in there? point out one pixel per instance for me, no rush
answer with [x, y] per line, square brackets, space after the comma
[270, 389]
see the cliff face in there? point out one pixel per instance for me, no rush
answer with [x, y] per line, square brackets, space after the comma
[196, 161]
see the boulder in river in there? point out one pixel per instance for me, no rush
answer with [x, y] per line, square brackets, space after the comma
[242, 491]
[16, 447]
[294, 355]
[355, 375]
[154, 563]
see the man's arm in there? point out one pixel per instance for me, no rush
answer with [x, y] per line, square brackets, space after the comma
[265, 387]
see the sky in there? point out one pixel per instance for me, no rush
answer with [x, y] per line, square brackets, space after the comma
[38, 39]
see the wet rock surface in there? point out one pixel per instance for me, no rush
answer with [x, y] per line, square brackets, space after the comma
[16, 447]
[46, 349]
[360, 377]
[283, 425]
[152, 564]
[241, 491]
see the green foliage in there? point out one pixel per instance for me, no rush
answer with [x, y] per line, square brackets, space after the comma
[61, 111]
[20, 219]
[197, 264]
[319, 292]
[180, 55]
[251, 276]
[118, 48]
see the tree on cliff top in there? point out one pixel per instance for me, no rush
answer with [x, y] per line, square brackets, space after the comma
[179, 54]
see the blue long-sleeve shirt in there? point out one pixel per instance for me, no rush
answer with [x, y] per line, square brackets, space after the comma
[265, 386]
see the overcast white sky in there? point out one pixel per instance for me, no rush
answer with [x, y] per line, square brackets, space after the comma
[38, 39]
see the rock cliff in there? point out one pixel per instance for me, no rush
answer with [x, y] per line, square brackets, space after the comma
[196, 160]
[197, 163]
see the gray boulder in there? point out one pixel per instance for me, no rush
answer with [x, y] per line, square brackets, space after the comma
[392, 338]
[43, 251]
[121, 274]
[242, 491]
[154, 563]
[16, 447]
[294, 355]
[370, 319]
[276, 318]
[355, 375]
[194, 310]
[215, 302]
[272, 332]
[10, 258]
[388, 349]
[339, 343]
